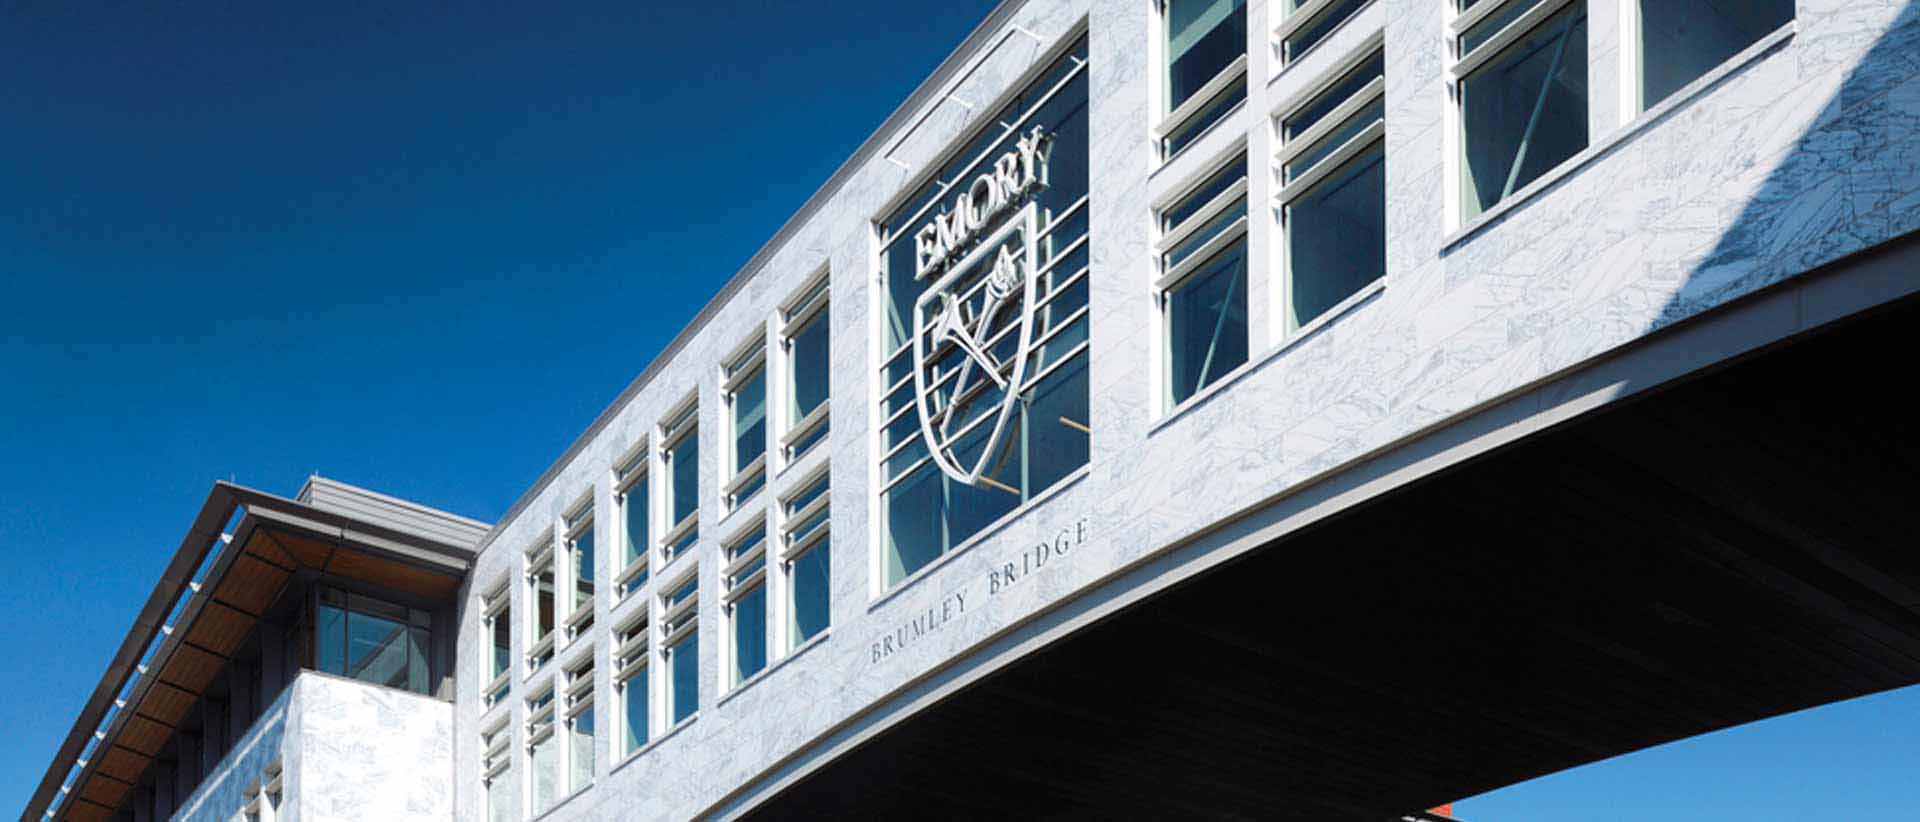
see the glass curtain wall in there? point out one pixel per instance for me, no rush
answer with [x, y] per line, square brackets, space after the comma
[372, 640]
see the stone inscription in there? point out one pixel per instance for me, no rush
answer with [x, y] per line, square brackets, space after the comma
[998, 580]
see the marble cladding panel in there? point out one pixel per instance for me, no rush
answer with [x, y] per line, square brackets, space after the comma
[367, 752]
[1804, 154]
[224, 793]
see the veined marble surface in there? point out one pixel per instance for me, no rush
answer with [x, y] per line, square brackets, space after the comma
[1802, 155]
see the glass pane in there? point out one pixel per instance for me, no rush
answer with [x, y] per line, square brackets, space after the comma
[1525, 112]
[634, 691]
[1337, 237]
[685, 464]
[810, 581]
[810, 353]
[377, 650]
[582, 733]
[1203, 37]
[1207, 323]
[583, 568]
[1679, 42]
[1305, 38]
[806, 497]
[1187, 206]
[683, 662]
[634, 509]
[750, 421]
[749, 634]
[546, 772]
[1485, 30]
[1361, 121]
[330, 640]
[500, 804]
[417, 661]
[543, 603]
[684, 592]
[502, 643]
[1214, 228]
[1180, 138]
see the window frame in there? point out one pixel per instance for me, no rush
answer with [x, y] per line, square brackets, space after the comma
[578, 698]
[632, 659]
[1462, 63]
[742, 482]
[1213, 102]
[496, 761]
[496, 605]
[1169, 280]
[581, 521]
[797, 435]
[1633, 52]
[538, 557]
[677, 429]
[1289, 191]
[679, 621]
[542, 724]
[636, 560]
[736, 563]
[793, 545]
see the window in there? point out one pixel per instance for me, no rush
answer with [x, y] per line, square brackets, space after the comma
[495, 745]
[1522, 89]
[1203, 280]
[263, 805]
[680, 623]
[803, 549]
[1206, 67]
[680, 454]
[1681, 40]
[540, 593]
[636, 523]
[745, 602]
[631, 653]
[1016, 443]
[1333, 193]
[543, 752]
[580, 724]
[371, 640]
[1304, 23]
[580, 562]
[743, 389]
[498, 626]
[803, 334]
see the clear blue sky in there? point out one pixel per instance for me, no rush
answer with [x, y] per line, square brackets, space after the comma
[420, 249]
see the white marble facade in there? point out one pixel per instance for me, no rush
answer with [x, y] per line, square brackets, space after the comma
[1801, 153]
[345, 750]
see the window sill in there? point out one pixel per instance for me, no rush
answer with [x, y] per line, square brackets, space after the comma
[655, 742]
[775, 666]
[1288, 343]
[1620, 136]
[562, 801]
[986, 533]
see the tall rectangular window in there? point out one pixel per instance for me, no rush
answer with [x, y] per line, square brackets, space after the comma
[745, 601]
[498, 626]
[580, 562]
[985, 398]
[543, 752]
[680, 455]
[372, 640]
[680, 626]
[1206, 67]
[1682, 40]
[496, 745]
[743, 390]
[1522, 91]
[632, 651]
[1202, 286]
[540, 593]
[579, 724]
[636, 523]
[803, 332]
[804, 520]
[1333, 193]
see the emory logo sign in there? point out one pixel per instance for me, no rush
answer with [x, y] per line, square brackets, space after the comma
[973, 326]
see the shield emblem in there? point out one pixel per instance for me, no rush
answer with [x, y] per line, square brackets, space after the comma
[972, 333]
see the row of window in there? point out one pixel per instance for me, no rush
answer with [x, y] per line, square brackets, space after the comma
[1518, 70]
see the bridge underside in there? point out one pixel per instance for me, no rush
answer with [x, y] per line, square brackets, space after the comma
[1728, 549]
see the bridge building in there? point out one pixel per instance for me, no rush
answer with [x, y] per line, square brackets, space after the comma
[1320, 409]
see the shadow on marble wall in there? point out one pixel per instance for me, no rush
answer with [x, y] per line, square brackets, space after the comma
[1849, 182]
